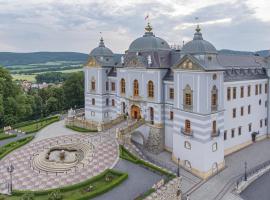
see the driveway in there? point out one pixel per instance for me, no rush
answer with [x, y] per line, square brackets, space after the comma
[139, 181]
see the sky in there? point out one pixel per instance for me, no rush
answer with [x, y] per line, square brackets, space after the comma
[75, 25]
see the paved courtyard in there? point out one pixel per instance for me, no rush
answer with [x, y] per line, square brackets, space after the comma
[219, 186]
[26, 177]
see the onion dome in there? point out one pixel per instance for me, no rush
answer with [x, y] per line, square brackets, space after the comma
[101, 50]
[148, 42]
[198, 45]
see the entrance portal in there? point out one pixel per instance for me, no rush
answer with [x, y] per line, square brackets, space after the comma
[135, 112]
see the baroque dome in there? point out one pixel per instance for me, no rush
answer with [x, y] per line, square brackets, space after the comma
[148, 42]
[101, 50]
[198, 45]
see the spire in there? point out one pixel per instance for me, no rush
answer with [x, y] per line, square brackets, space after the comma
[101, 42]
[198, 34]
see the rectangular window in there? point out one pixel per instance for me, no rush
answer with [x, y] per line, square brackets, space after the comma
[107, 102]
[250, 127]
[265, 122]
[232, 133]
[261, 123]
[107, 85]
[113, 103]
[242, 92]
[234, 93]
[256, 89]
[265, 88]
[249, 90]
[239, 130]
[225, 135]
[260, 88]
[93, 85]
[265, 103]
[228, 93]
[234, 113]
[93, 102]
[171, 93]
[113, 86]
[171, 115]
[249, 109]
[242, 110]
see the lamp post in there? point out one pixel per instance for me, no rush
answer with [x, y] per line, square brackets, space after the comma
[245, 171]
[10, 169]
[178, 192]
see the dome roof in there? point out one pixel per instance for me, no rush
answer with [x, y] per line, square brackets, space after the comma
[198, 45]
[148, 42]
[101, 50]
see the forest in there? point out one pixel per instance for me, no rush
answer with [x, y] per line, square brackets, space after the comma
[17, 106]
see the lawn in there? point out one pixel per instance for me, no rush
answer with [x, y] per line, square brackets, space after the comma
[81, 191]
[5, 136]
[6, 149]
[34, 126]
[79, 129]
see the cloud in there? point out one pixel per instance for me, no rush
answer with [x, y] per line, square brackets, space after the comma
[74, 25]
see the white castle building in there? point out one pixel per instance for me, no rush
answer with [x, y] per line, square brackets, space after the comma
[198, 104]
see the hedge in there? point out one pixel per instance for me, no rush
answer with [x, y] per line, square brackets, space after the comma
[79, 129]
[13, 145]
[92, 194]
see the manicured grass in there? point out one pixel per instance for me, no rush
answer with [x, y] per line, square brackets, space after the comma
[34, 126]
[79, 129]
[5, 136]
[6, 149]
[81, 191]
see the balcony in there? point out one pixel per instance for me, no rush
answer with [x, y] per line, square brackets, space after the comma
[215, 134]
[186, 133]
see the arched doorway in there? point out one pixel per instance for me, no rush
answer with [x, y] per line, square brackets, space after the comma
[135, 112]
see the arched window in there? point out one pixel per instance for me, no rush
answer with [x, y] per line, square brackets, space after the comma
[188, 98]
[214, 98]
[123, 86]
[150, 89]
[187, 145]
[187, 164]
[136, 88]
[187, 126]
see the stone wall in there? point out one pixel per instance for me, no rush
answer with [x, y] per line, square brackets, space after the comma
[156, 139]
[168, 191]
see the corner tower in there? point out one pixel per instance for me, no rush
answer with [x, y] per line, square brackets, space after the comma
[199, 108]
[96, 71]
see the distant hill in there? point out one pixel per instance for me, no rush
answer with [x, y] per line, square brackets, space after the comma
[9, 58]
[263, 53]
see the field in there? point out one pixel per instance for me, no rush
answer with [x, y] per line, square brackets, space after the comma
[28, 72]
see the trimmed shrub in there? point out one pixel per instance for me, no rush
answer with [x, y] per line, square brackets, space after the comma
[79, 129]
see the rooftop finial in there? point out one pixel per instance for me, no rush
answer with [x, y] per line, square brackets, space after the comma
[148, 27]
[101, 42]
[198, 29]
